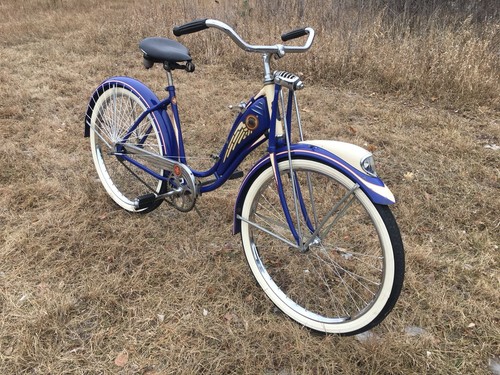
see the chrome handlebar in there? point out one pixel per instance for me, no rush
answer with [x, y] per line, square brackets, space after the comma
[277, 49]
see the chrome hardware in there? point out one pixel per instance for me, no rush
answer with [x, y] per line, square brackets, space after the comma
[281, 51]
[288, 80]
[238, 107]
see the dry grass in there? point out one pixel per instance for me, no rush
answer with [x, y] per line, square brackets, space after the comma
[83, 284]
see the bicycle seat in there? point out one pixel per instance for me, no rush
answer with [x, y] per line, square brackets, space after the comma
[161, 50]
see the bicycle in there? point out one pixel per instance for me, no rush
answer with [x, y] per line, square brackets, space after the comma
[313, 215]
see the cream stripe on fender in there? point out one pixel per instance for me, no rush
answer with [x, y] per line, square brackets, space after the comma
[353, 155]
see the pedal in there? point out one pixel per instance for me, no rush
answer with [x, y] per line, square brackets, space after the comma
[144, 201]
[235, 175]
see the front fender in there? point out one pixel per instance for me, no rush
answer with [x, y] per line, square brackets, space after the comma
[344, 157]
[148, 98]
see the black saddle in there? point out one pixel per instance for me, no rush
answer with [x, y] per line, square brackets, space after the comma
[163, 50]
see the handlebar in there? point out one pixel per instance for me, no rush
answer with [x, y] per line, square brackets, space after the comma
[278, 49]
[293, 34]
[190, 27]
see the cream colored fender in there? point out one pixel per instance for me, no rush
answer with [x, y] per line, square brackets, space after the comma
[354, 156]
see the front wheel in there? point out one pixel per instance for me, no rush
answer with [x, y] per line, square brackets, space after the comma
[350, 274]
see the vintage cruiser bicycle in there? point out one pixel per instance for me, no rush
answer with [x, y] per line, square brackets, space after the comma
[313, 215]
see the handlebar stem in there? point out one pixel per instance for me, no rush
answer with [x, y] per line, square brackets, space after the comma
[268, 76]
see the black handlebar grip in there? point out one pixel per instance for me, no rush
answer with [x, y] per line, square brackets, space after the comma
[293, 34]
[190, 27]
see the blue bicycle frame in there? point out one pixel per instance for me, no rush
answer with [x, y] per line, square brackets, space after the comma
[260, 120]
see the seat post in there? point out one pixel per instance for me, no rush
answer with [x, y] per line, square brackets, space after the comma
[170, 79]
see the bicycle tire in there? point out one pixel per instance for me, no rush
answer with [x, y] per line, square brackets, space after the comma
[113, 109]
[350, 278]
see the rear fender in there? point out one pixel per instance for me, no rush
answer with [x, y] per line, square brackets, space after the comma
[148, 98]
[341, 156]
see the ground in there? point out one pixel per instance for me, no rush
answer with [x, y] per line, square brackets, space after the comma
[88, 288]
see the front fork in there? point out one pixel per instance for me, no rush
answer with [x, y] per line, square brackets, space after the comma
[298, 204]
[275, 139]
[312, 230]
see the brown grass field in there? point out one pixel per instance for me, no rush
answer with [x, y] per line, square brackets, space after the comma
[86, 288]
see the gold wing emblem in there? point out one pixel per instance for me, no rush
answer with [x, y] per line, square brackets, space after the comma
[239, 135]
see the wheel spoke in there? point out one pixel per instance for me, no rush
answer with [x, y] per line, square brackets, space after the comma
[257, 226]
[332, 294]
[338, 210]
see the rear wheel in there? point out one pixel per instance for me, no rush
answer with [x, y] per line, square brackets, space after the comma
[350, 274]
[114, 112]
